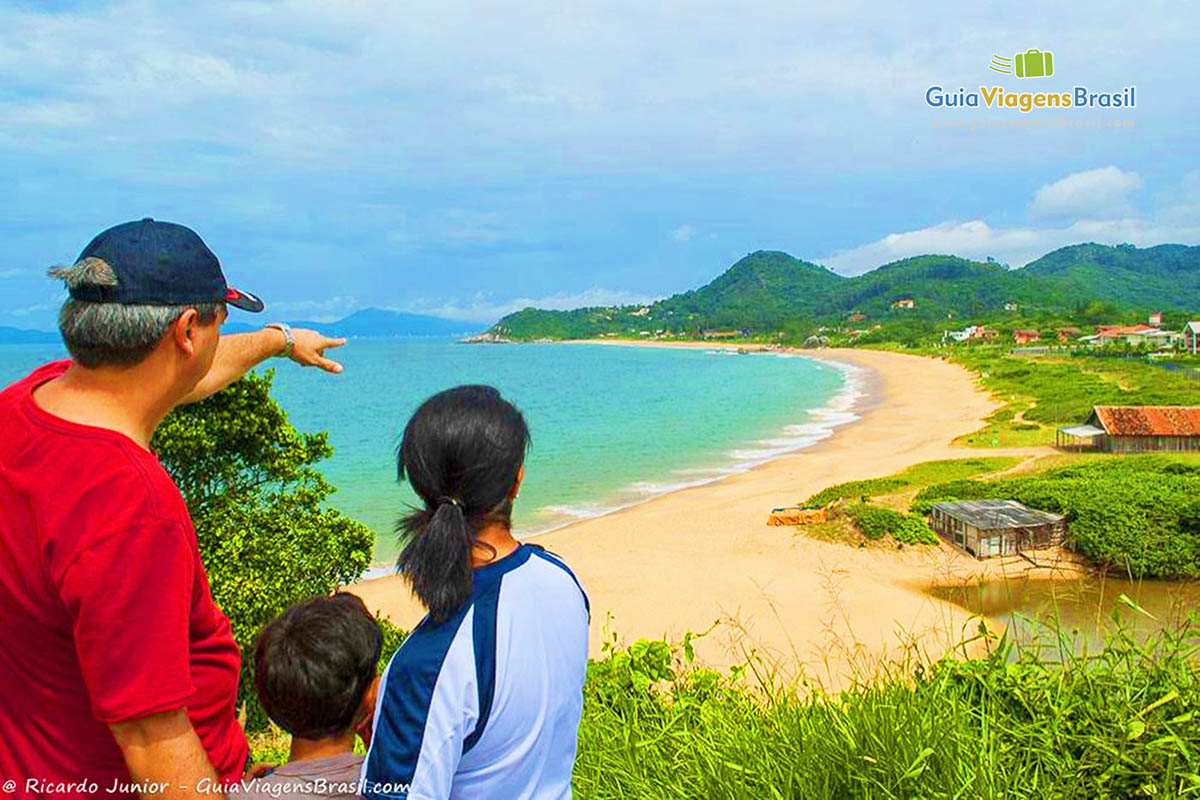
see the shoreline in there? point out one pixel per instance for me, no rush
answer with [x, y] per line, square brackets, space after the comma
[679, 561]
[858, 393]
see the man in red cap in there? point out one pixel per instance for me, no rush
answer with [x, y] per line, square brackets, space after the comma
[118, 674]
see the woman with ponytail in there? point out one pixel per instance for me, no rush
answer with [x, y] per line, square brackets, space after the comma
[483, 700]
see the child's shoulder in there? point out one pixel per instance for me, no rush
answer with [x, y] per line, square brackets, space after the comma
[333, 777]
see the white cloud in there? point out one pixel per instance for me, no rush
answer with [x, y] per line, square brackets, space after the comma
[14, 273]
[452, 84]
[684, 233]
[1018, 245]
[1093, 194]
[486, 309]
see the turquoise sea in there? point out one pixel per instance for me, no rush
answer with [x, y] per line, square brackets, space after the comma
[611, 426]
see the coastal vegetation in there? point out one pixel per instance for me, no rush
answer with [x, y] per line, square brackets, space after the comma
[1139, 515]
[1042, 393]
[876, 522]
[1015, 723]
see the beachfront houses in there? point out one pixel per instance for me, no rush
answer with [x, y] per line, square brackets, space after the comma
[1151, 333]
[1022, 337]
[1067, 334]
[1138, 334]
[971, 333]
[986, 528]
[1135, 429]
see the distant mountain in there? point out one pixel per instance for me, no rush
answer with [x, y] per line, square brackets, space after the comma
[378, 322]
[1167, 275]
[23, 336]
[770, 290]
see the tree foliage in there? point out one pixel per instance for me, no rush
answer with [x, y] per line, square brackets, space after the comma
[258, 503]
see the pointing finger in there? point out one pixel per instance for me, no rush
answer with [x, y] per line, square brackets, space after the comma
[327, 364]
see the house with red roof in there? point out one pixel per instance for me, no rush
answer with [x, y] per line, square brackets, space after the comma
[1135, 429]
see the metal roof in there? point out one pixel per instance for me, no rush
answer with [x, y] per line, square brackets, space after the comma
[992, 514]
[1149, 420]
[1083, 430]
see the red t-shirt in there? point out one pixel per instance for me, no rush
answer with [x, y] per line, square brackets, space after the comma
[105, 610]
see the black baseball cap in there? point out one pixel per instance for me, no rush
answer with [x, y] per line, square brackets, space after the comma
[159, 263]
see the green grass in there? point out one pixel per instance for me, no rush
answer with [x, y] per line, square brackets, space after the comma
[1059, 391]
[1009, 435]
[1116, 724]
[916, 476]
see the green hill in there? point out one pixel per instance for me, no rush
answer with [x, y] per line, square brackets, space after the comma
[761, 289]
[1167, 275]
[769, 291]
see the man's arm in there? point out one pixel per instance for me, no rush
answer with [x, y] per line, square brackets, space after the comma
[238, 353]
[164, 749]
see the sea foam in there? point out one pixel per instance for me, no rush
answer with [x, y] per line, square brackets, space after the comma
[819, 425]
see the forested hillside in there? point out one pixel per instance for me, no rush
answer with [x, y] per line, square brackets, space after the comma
[769, 291]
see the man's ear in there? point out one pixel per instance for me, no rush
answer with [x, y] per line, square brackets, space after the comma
[516, 487]
[183, 330]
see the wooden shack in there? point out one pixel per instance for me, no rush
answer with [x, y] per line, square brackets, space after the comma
[986, 528]
[1135, 429]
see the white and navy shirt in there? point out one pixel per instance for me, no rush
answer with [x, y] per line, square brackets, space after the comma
[487, 703]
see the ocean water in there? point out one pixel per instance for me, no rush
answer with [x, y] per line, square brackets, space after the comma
[611, 426]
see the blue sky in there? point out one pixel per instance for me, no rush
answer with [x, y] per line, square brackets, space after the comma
[470, 158]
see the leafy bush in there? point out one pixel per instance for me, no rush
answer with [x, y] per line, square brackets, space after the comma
[266, 537]
[876, 522]
[1138, 514]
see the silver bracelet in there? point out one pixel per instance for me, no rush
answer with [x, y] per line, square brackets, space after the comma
[289, 341]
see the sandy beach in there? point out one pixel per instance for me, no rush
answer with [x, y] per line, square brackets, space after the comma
[685, 560]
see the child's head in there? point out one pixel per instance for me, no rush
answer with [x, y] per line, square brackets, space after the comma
[315, 666]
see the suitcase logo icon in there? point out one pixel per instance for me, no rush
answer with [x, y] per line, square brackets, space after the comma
[1033, 63]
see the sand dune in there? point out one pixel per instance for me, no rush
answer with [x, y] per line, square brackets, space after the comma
[682, 561]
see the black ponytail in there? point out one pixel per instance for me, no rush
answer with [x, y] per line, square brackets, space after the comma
[461, 452]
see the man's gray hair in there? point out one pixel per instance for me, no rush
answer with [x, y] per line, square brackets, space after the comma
[113, 334]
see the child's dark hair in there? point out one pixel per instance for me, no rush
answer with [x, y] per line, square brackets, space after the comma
[314, 663]
[461, 452]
